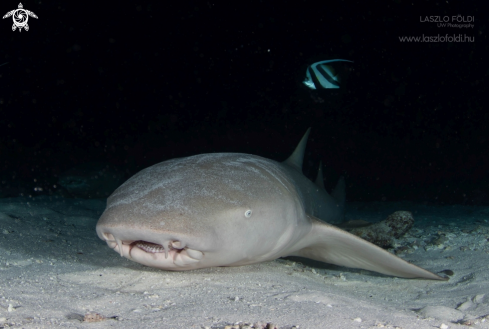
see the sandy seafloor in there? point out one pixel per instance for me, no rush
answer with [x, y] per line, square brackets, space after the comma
[54, 270]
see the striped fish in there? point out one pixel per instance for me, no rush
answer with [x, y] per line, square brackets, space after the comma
[322, 76]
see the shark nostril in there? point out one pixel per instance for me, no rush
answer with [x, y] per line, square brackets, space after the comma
[177, 245]
[108, 237]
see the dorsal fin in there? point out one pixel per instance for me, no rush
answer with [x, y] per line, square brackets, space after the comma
[295, 160]
[319, 178]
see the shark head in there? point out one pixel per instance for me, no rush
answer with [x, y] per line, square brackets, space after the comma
[221, 209]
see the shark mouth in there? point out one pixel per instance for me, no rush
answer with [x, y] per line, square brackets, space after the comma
[170, 254]
[152, 248]
[174, 251]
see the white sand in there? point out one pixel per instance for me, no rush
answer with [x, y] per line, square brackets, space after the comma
[54, 270]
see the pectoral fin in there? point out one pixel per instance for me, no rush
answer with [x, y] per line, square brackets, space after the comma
[332, 245]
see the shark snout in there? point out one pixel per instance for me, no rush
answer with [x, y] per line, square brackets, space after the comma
[165, 251]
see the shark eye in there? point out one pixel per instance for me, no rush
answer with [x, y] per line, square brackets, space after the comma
[248, 213]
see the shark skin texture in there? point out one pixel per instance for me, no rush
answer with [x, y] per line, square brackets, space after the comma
[233, 209]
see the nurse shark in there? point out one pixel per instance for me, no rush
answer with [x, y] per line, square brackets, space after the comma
[233, 209]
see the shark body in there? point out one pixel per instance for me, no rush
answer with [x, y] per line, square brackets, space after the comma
[232, 209]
